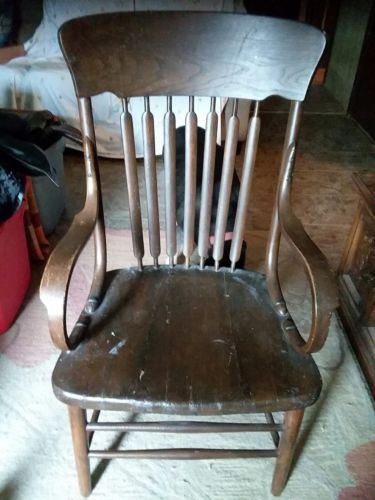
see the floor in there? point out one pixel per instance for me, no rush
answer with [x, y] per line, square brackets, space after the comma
[331, 148]
[338, 431]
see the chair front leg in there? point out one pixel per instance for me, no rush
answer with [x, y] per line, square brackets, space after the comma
[78, 427]
[292, 423]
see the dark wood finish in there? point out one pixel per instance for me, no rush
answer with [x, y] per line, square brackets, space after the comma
[285, 452]
[168, 339]
[56, 279]
[207, 182]
[274, 236]
[78, 428]
[178, 427]
[322, 285]
[131, 172]
[150, 181]
[357, 279]
[94, 420]
[186, 342]
[183, 454]
[229, 48]
[170, 180]
[319, 13]
[244, 196]
[191, 124]
[226, 184]
[184, 427]
[274, 434]
[284, 222]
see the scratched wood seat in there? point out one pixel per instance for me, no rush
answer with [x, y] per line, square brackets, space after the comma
[187, 340]
[164, 347]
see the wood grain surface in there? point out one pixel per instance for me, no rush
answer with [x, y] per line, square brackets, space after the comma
[223, 55]
[186, 342]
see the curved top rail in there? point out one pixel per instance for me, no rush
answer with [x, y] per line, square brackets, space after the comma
[191, 53]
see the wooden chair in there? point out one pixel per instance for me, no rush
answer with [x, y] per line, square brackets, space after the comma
[189, 340]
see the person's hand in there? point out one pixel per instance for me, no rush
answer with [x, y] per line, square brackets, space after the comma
[9, 53]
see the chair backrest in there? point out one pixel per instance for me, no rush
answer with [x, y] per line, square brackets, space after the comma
[189, 54]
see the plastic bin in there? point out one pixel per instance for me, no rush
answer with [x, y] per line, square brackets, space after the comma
[50, 198]
[14, 268]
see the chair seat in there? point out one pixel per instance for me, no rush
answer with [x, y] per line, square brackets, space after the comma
[188, 342]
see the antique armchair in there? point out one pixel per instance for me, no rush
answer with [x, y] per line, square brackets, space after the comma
[190, 340]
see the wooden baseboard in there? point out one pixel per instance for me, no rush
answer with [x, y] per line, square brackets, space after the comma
[359, 335]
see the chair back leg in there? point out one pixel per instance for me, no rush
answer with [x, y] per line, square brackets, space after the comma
[78, 427]
[292, 423]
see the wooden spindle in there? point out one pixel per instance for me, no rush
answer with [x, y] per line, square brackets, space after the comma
[93, 191]
[190, 180]
[244, 196]
[170, 180]
[130, 162]
[226, 185]
[207, 182]
[151, 181]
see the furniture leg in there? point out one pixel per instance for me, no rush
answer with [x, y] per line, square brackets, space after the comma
[78, 427]
[292, 423]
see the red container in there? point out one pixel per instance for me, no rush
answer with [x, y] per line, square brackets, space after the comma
[14, 268]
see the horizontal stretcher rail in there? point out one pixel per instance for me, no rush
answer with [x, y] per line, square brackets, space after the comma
[179, 426]
[182, 454]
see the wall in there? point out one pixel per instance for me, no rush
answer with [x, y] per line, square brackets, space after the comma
[346, 50]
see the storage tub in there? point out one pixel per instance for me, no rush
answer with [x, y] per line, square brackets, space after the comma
[14, 268]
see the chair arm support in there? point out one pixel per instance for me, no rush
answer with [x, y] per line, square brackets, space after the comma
[321, 279]
[58, 271]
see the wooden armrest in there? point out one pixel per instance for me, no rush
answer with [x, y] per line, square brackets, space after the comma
[321, 279]
[57, 274]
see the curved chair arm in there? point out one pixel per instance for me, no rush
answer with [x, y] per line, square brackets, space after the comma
[321, 279]
[57, 274]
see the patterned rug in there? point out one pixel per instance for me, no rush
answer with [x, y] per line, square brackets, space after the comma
[335, 456]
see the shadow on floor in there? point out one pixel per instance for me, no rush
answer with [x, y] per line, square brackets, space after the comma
[103, 464]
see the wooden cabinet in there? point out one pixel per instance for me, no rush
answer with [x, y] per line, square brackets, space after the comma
[357, 279]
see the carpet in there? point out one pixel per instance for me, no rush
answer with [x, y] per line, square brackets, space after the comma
[335, 454]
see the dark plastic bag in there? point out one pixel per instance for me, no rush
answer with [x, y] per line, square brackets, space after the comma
[12, 187]
[20, 157]
[24, 135]
[24, 158]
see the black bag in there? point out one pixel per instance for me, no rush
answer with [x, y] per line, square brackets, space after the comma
[24, 135]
